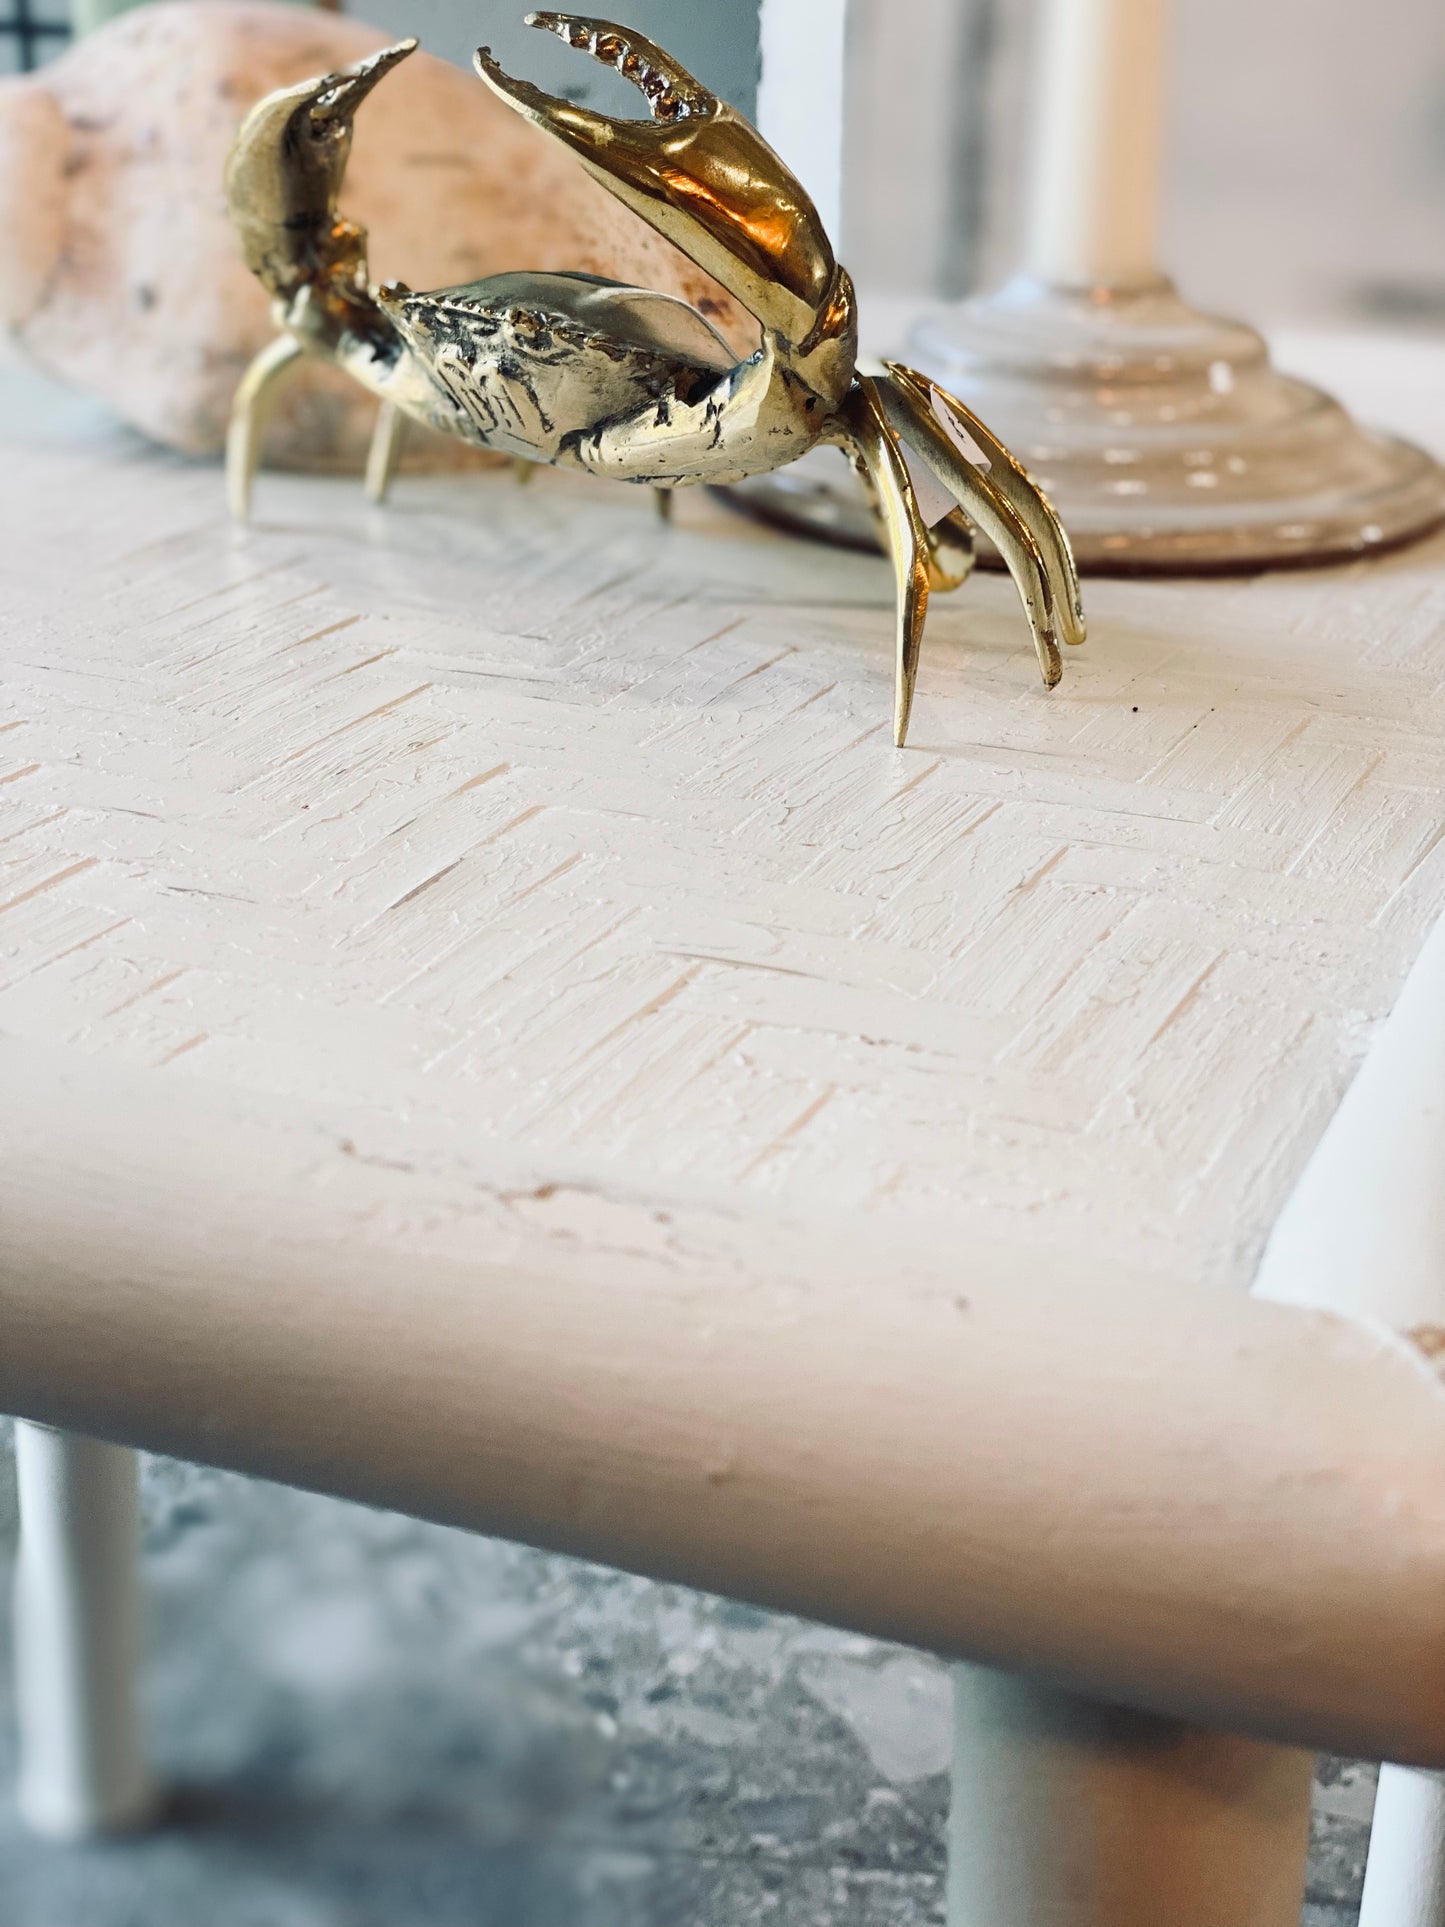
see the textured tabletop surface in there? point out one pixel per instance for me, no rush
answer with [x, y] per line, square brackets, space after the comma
[508, 821]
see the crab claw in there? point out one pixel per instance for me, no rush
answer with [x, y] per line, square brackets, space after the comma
[287, 164]
[697, 172]
[341, 93]
[670, 90]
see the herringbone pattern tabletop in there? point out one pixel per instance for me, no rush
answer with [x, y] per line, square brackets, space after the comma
[515, 811]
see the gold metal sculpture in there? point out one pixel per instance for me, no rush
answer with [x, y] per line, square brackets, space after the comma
[624, 382]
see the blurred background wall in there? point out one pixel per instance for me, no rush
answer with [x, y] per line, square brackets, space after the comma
[1305, 158]
[1306, 149]
[1305, 175]
[716, 39]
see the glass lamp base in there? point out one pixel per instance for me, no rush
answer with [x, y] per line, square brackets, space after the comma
[1166, 439]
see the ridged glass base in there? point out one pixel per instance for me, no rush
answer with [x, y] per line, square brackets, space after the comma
[1166, 439]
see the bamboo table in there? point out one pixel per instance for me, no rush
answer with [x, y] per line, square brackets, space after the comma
[488, 1026]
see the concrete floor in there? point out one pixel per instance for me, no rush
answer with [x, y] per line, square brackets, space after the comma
[374, 1723]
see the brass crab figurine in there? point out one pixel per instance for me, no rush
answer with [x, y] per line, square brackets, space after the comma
[623, 382]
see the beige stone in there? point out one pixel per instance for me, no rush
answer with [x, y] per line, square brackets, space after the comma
[119, 272]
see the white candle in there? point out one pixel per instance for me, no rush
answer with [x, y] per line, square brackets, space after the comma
[1097, 120]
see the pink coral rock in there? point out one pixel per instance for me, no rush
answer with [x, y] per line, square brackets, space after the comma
[119, 271]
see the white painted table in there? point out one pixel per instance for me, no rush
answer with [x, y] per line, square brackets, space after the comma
[489, 1026]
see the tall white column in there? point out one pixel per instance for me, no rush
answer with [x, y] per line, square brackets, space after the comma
[801, 96]
[77, 1635]
[1097, 118]
[1364, 1233]
[1405, 1875]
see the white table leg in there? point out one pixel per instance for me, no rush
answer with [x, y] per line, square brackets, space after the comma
[1068, 1813]
[1405, 1876]
[77, 1635]
[1363, 1233]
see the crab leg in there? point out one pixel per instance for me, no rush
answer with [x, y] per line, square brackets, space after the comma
[383, 457]
[985, 506]
[1011, 483]
[951, 553]
[251, 409]
[874, 446]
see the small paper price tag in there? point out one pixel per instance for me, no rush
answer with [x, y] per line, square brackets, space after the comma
[933, 497]
[967, 447]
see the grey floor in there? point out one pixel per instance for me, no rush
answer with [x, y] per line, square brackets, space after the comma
[373, 1723]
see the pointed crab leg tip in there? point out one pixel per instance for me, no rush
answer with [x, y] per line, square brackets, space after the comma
[240, 482]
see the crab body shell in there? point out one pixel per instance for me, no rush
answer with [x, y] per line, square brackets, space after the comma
[577, 371]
